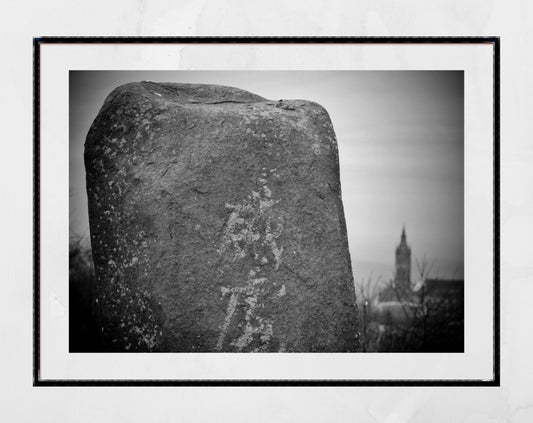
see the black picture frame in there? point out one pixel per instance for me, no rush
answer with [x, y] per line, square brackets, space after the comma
[494, 41]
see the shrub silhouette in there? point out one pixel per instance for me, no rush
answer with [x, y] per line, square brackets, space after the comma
[83, 328]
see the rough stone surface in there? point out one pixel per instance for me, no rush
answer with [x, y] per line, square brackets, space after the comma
[217, 223]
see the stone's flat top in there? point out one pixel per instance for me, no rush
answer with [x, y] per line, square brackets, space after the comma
[189, 93]
[206, 110]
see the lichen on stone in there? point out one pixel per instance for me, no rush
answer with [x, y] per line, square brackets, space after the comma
[131, 314]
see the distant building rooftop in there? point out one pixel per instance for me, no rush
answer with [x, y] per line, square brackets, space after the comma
[444, 287]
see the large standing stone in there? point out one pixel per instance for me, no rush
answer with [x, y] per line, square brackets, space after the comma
[217, 223]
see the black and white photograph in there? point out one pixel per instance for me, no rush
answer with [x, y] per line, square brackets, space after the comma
[244, 212]
[266, 211]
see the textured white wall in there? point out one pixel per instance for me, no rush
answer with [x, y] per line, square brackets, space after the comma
[512, 20]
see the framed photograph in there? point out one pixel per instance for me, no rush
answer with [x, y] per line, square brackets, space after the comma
[266, 211]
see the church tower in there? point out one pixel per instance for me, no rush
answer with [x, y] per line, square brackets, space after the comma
[403, 264]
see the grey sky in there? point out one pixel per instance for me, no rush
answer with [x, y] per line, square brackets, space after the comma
[400, 136]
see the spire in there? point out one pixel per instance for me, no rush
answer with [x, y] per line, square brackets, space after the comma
[403, 234]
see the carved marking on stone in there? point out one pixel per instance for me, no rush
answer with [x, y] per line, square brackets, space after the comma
[242, 237]
[232, 303]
